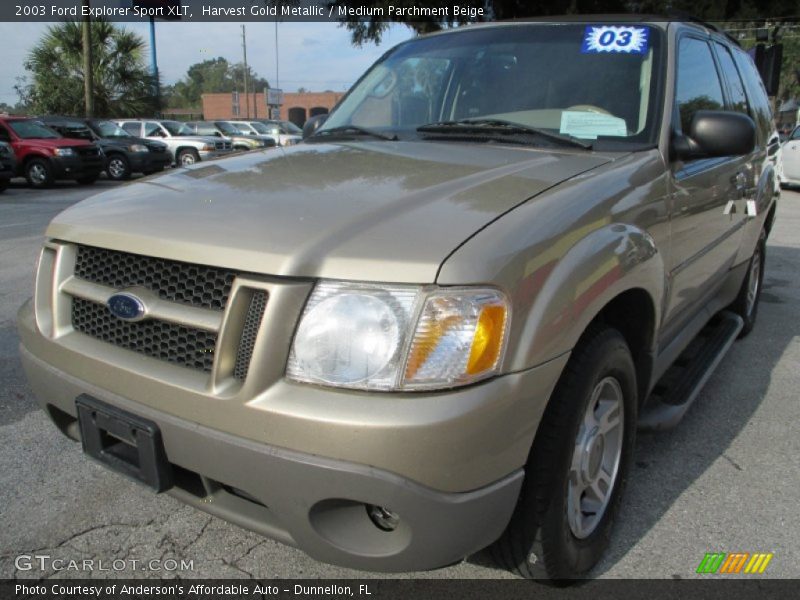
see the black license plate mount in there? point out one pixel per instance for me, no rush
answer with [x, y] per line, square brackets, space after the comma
[124, 442]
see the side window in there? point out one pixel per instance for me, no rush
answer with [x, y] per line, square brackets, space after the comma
[738, 98]
[795, 134]
[698, 86]
[4, 135]
[756, 93]
[133, 128]
[152, 130]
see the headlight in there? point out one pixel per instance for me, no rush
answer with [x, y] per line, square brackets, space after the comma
[399, 337]
[64, 152]
[138, 148]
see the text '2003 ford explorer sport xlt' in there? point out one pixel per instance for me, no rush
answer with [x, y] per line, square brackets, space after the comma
[436, 324]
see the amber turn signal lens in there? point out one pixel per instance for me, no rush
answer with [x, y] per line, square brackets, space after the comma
[488, 340]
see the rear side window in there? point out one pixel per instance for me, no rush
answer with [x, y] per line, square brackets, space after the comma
[756, 94]
[132, 128]
[738, 98]
[698, 86]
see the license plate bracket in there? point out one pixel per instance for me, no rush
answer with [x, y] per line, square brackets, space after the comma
[124, 442]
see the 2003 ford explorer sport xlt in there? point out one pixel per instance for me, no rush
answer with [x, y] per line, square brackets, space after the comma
[436, 324]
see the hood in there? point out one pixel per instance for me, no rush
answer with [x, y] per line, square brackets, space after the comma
[125, 142]
[61, 142]
[373, 211]
[205, 139]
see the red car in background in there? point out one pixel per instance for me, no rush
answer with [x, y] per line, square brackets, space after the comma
[43, 156]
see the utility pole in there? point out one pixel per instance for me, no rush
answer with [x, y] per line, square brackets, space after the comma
[154, 66]
[88, 74]
[246, 73]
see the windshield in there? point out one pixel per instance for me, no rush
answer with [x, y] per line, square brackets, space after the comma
[176, 128]
[107, 129]
[261, 128]
[291, 128]
[31, 130]
[227, 128]
[591, 82]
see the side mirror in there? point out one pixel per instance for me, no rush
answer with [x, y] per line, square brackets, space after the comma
[313, 124]
[715, 133]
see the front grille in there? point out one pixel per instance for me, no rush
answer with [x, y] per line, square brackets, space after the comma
[185, 346]
[249, 332]
[198, 285]
[223, 145]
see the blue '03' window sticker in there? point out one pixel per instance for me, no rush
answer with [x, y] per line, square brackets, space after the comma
[601, 39]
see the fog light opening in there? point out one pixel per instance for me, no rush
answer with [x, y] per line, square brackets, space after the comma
[383, 518]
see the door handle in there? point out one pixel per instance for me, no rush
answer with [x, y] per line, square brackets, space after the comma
[730, 208]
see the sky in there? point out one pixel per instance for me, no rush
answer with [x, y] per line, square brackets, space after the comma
[316, 56]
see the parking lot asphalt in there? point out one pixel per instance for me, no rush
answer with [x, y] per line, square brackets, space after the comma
[725, 480]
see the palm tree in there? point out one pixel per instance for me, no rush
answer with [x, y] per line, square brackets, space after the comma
[122, 85]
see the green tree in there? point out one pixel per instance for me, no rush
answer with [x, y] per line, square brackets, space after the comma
[54, 85]
[215, 75]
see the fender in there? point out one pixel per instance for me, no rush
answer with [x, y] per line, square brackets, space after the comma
[604, 264]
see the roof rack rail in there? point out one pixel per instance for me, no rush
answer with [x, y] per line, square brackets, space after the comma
[685, 16]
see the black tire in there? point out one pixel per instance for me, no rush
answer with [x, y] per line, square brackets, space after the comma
[539, 542]
[744, 306]
[187, 156]
[89, 179]
[39, 173]
[118, 168]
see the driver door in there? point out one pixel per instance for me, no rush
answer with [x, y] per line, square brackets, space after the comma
[707, 195]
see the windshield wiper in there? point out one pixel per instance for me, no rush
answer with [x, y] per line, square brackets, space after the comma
[353, 131]
[495, 126]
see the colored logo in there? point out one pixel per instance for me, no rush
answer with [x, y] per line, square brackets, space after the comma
[126, 307]
[734, 562]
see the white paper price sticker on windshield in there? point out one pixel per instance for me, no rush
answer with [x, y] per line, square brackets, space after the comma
[601, 39]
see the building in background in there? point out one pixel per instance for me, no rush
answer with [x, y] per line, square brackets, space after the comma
[297, 107]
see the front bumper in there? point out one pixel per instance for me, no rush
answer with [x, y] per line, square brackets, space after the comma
[142, 162]
[449, 463]
[311, 502]
[212, 154]
[68, 167]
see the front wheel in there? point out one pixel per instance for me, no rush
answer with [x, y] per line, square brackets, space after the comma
[118, 168]
[188, 157]
[578, 465]
[39, 173]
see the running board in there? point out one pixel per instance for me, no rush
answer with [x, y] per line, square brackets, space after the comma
[681, 383]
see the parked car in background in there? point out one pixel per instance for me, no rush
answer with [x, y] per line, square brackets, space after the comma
[8, 165]
[288, 132]
[124, 153]
[185, 147]
[226, 130]
[789, 160]
[44, 156]
[271, 129]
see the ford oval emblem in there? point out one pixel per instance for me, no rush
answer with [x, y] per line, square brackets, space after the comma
[126, 307]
